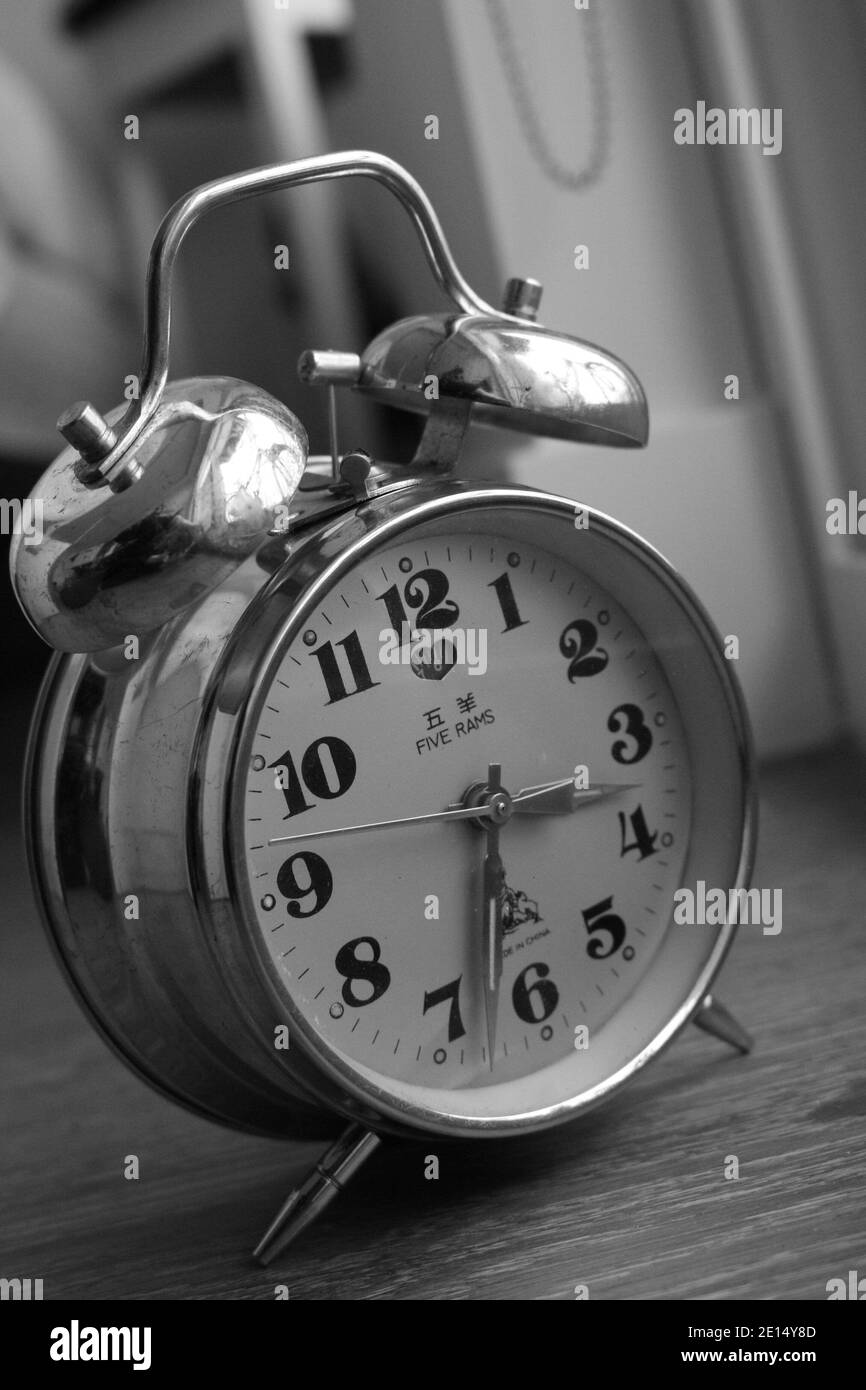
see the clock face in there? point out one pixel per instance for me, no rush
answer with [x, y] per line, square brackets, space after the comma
[435, 660]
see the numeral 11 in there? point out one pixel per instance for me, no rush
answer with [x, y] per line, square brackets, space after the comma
[330, 668]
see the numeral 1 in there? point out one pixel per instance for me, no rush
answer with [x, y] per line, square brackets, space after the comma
[507, 602]
[396, 612]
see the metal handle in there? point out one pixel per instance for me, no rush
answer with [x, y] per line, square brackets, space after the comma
[77, 425]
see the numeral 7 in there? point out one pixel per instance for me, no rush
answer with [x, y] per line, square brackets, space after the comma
[433, 997]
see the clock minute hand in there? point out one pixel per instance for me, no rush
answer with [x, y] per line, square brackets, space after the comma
[492, 885]
[452, 813]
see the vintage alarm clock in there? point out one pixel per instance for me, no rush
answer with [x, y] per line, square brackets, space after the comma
[357, 790]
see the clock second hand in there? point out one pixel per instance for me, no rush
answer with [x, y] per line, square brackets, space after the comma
[551, 798]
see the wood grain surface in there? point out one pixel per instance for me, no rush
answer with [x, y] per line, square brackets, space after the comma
[631, 1201]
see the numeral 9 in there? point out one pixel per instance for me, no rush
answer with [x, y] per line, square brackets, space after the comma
[319, 887]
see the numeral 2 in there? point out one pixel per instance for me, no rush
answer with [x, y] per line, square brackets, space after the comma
[586, 658]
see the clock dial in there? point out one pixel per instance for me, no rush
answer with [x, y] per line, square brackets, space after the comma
[378, 934]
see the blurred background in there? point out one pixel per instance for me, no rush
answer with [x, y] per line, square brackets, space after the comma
[554, 131]
[543, 131]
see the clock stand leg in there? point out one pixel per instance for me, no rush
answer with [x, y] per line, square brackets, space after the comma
[325, 1181]
[329, 1175]
[714, 1018]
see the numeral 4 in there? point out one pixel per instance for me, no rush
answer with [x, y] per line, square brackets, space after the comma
[644, 841]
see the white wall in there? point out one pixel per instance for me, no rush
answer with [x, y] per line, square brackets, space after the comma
[662, 292]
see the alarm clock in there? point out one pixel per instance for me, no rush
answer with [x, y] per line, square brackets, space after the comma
[358, 793]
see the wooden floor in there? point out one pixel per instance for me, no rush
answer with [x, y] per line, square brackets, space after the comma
[632, 1201]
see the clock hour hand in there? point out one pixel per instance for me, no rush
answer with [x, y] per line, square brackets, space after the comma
[492, 888]
[562, 797]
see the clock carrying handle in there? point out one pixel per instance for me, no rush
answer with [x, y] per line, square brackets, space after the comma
[102, 446]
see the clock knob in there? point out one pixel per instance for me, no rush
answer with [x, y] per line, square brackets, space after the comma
[522, 298]
[125, 550]
[84, 428]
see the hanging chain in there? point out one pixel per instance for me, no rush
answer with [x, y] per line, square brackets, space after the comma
[526, 105]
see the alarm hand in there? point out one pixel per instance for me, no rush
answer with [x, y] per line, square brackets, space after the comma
[549, 798]
[493, 883]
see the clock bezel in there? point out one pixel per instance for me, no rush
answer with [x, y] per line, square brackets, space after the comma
[299, 588]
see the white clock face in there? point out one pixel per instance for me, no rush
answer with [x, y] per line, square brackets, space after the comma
[378, 935]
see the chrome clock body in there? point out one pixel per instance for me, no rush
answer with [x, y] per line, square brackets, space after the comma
[228, 936]
[134, 812]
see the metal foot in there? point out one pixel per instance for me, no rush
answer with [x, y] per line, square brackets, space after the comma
[714, 1018]
[321, 1185]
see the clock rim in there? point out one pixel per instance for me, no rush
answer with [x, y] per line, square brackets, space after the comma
[322, 560]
